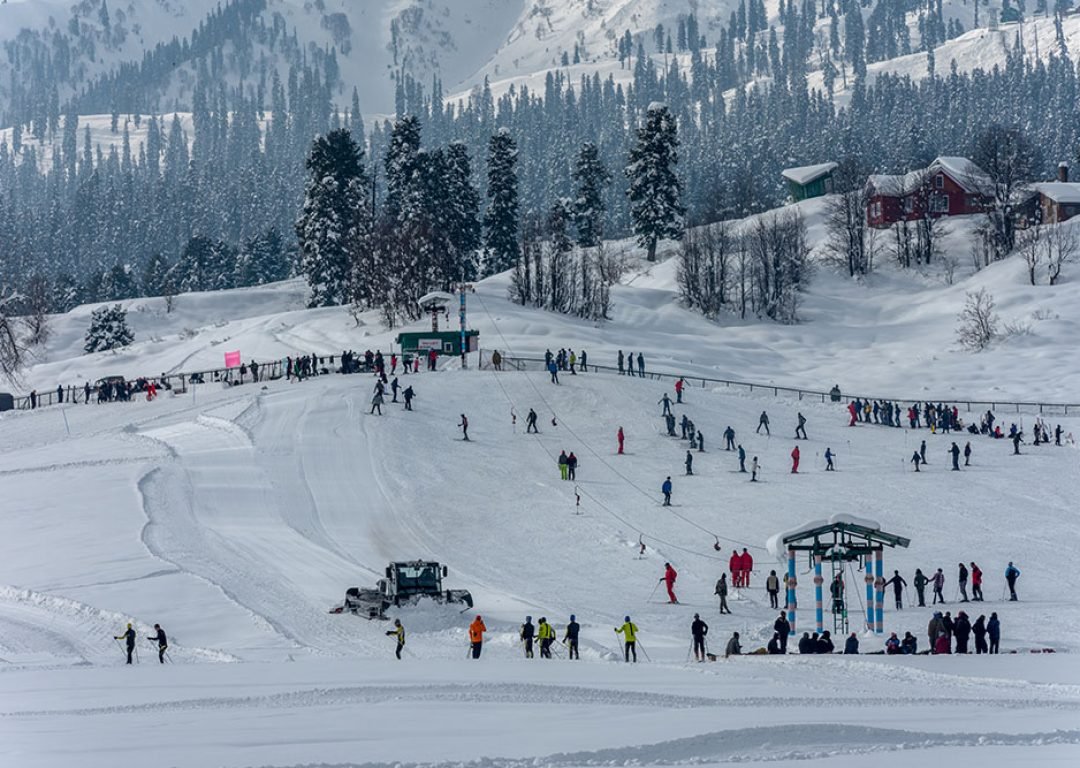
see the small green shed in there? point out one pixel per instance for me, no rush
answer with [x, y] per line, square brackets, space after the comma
[809, 181]
[443, 342]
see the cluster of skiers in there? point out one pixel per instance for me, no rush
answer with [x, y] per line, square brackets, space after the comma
[565, 360]
[378, 396]
[129, 636]
[626, 364]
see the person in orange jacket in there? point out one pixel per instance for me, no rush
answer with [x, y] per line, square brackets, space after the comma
[476, 636]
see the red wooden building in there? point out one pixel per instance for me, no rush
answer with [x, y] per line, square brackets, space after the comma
[950, 186]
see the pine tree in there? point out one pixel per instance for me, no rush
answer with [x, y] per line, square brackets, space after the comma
[501, 218]
[333, 217]
[462, 211]
[655, 191]
[108, 329]
[592, 178]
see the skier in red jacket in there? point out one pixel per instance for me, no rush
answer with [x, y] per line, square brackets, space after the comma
[795, 461]
[746, 564]
[851, 410]
[735, 566]
[669, 581]
[621, 437]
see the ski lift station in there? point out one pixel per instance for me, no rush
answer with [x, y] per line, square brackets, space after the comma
[444, 342]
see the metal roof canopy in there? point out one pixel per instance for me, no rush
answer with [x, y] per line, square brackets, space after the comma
[844, 544]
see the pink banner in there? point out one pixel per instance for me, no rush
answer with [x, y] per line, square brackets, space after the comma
[232, 359]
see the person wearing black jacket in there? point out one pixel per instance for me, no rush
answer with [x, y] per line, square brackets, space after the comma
[699, 629]
[979, 628]
[129, 637]
[573, 629]
[162, 642]
[825, 643]
[783, 629]
[528, 632]
[807, 645]
[962, 629]
[898, 585]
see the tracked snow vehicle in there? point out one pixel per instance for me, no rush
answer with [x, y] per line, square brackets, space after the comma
[405, 584]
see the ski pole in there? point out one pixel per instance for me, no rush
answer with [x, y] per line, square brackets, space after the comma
[654, 591]
[124, 653]
[136, 654]
[688, 651]
[646, 653]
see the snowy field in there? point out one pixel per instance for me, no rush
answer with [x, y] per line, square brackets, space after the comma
[237, 517]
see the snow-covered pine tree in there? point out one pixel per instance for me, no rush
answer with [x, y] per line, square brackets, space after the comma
[592, 178]
[655, 191]
[108, 329]
[193, 270]
[463, 211]
[333, 220]
[155, 275]
[501, 219]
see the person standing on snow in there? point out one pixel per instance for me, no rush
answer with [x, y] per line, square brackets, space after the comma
[916, 459]
[666, 402]
[527, 633]
[689, 463]
[700, 442]
[735, 566]
[920, 583]
[795, 460]
[394, 387]
[829, 460]
[993, 633]
[698, 630]
[967, 454]
[553, 369]
[669, 581]
[545, 633]
[962, 580]
[629, 632]
[746, 566]
[620, 362]
[678, 389]
[571, 466]
[641, 364]
[962, 630]
[573, 629]
[162, 642]
[898, 585]
[408, 395]
[666, 490]
[938, 580]
[783, 629]
[954, 451]
[729, 439]
[979, 630]
[476, 636]
[129, 637]
[399, 632]
[530, 422]
[763, 421]
[621, 438]
[721, 592]
[976, 583]
[754, 466]
[800, 431]
[1012, 573]
[772, 586]
[464, 428]
[377, 401]
[563, 465]
[742, 459]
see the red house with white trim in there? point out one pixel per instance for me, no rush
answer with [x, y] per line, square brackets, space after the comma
[950, 186]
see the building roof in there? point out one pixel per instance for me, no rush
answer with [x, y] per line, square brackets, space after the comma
[871, 530]
[969, 176]
[1059, 191]
[805, 174]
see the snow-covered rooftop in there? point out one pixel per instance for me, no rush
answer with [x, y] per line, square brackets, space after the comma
[1059, 191]
[804, 174]
[775, 543]
[961, 170]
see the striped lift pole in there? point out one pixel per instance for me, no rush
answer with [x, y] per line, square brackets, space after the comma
[879, 591]
[869, 579]
[819, 608]
[791, 583]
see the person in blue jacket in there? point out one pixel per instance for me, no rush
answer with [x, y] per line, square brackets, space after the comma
[993, 632]
[666, 490]
[1012, 573]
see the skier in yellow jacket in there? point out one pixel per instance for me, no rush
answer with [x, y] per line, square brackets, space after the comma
[629, 632]
[399, 632]
[545, 633]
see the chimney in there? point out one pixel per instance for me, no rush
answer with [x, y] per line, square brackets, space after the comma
[1063, 172]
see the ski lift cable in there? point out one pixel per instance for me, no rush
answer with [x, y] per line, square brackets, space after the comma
[595, 453]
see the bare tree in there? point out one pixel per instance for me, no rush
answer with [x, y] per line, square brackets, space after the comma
[1062, 247]
[1031, 247]
[851, 240]
[704, 267]
[978, 321]
[13, 350]
[35, 308]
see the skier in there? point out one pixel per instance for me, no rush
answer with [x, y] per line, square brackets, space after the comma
[399, 632]
[689, 463]
[954, 451]
[129, 636]
[962, 580]
[573, 629]
[938, 580]
[571, 466]
[620, 362]
[746, 565]
[742, 459]
[666, 490]
[700, 442]
[735, 566]
[795, 460]
[772, 586]
[476, 636]
[1012, 573]
[377, 400]
[801, 429]
[678, 390]
[553, 369]
[684, 423]
[394, 387]
[530, 422]
[754, 466]
[993, 633]
[783, 629]
[162, 642]
[1016, 440]
[898, 585]
[669, 420]
[729, 439]
[408, 395]
[967, 454]
[721, 592]
[916, 459]
[545, 633]
[698, 630]
[1057, 434]
[464, 428]
[733, 648]
[829, 460]
[976, 583]
[666, 402]
[853, 412]
[563, 465]
[621, 437]
[920, 583]
[922, 452]
[527, 633]
[669, 582]
[763, 421]
[979, 630]
[629, 632]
